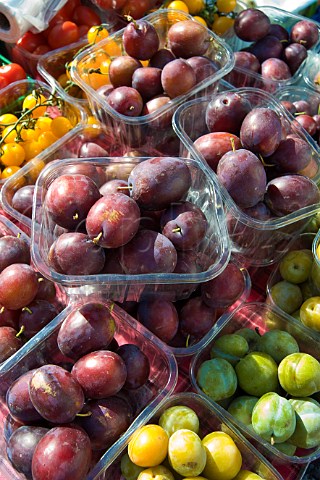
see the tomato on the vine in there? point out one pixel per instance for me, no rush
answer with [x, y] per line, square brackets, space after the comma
[97, 33]
[11, 73]
[63, 34]
[12, 155]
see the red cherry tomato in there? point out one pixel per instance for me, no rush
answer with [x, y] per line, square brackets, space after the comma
[83, 15]
[63, 34]
[29, 41]
[83, 30]
[106, 4]
[136, 9]
[59, 17]
[12, 73]
[3, 82]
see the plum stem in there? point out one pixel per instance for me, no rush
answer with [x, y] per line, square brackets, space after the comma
[19, 235]
[272, 440]
[176, 230]
[128, 187]
[233, 146]
[97, 238]
[1, 309]
[264, 163]
[22, 329]
[111, 307]
[187, 341]
[131, 20]
[27, 309]
[75, 216]
[300, 113]
[88, 414]
[40, 279]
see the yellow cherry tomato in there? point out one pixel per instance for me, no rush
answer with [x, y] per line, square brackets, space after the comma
[9, 134]
[148, 446]
[9, 171]
[178, 5]
[226, 6]
[195, 6]
[12, 155]
[6, 119]
[97, 33]
[222, 24]
[31, 149]
[60, 126]
[112, 48]
[30, 103]
[93, 127]
[46, 139]
[29, 134]
[44, 124]
[200, 20]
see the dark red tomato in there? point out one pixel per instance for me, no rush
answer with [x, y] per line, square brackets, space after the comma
[41, 49]
[106, 4]
[63, 34]
[12, 73]
[59, 17]
[83, 15]
[3, 82]
[136, 9]
[83, 30]
[69, 7]
[29, 41]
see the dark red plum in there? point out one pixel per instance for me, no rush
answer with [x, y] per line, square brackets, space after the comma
[251, 25]
[137, 363]
[161, 58]
[308, 123]
[69, 199]
[164, 119]
[9, 342]
[148, 82]
[94, 172]
[113, 220]
[289, 106]
[13, 250]
[203, 67]
[46, 291]
[188, 39]
[115, 186]
[196, 318]
[213, 146]
[101, 374]
[10, 425]
[260, 211]
[247, 60]
[140, 39]
[35, 316]
[21, 447]
[178, 77]
[268, 47]
[18, 399]
[91, 149]
[55, 394]
[121, 70]
[159, 181]
[22, 200]
[280, 32]
[175, 209]
[112, 262]
[109, 418]
[66, 449]
[261, 131]
[244, 177]
[86, 329]
[226, 112]
[160, 317]
[294, 54]
[18, 286]
[275, 69]
[292, 155]
[303, 107]
[289, 193]
[148, 252]
[305, 32]
[9, 318]
[126, 101]
[67, 254]
[187, 230]
[225, 289]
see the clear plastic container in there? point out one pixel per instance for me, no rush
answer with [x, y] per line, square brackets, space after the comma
[43, 349]
[203, 192]
[264, 317]
[295, 93]
[241, 77]
[279, 17]
[29, 61]
[256, 242]
[12, 96]
[151, 130]
[211, 419]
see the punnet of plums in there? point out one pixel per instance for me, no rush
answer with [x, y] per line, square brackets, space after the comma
[160, 262]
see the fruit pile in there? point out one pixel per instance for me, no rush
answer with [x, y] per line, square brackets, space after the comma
[31, 124]
[84, 398]
[28, 301]
[273, 51]
[267, 382]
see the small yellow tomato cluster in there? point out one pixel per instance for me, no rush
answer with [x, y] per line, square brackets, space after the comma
[215, 14]
[23, 138]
